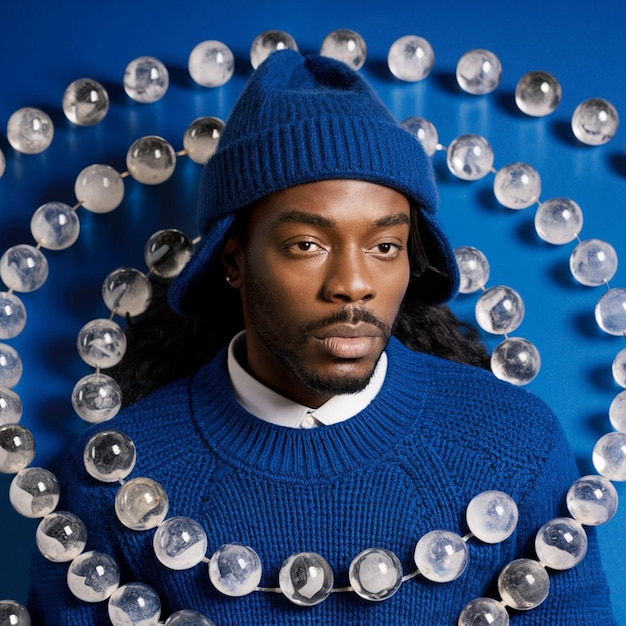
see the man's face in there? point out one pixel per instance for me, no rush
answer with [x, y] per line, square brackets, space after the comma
[322, 273]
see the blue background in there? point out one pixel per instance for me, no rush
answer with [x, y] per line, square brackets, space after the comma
[44, 46]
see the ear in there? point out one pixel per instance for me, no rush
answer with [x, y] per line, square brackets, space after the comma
[232, 260]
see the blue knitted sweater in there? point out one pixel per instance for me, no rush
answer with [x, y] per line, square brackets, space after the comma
[437, 434]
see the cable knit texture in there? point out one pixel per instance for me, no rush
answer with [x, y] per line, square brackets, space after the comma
[406, 465]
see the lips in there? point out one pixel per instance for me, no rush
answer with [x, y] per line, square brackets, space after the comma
[347, 341]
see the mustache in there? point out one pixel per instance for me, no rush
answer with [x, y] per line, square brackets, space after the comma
[348, 315]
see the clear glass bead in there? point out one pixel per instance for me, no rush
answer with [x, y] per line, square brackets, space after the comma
[424, 131]
[12, 316]
[23, 268]
[3, 163]
[13, 614]
[211, 63]
[55, 226]
[10, 366]
[492, 516]
[473, 269]
[410, 58]
[478, 72]
[188, 618]
[99, 188]
[151, 160]
[134, 604]
[516, 360]
[558, 220]
[593, 262]
[524, 584]
[617, 412]
[306, 579]
[499, 310]
[202, 137]
[619, 368]
[180, 543]
[34, 492]
[483, 612]
[609, 456]
[592, 500]
[61, 536]
[538, 93]
[101, 343]
[561, 543]
[268, 42]
[345, 45]
[127, 292]
[517, 185]
[470, 157]
[595, 121]
[235, 569]
[109, 456]
[146, 79]
[141, 503]
[30, 130]
[85, 102]
[441, 556]
[17, 448]
[10, 406]
[93, 576]
[375, 574]
[167, 252]
[96, 398]
[610, 312]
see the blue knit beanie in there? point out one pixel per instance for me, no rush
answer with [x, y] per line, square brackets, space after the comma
[300, 120]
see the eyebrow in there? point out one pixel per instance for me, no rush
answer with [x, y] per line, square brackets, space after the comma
[313, 219]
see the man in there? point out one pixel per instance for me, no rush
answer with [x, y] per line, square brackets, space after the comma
[317, 430]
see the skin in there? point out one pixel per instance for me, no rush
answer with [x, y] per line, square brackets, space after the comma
[322, 272]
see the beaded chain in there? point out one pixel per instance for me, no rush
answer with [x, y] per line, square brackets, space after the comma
[141, 503]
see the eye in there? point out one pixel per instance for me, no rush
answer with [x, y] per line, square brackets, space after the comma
[303, 247]
[387, 249]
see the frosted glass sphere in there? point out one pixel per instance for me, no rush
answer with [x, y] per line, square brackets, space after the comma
[101, 343]
[235, 569]
[517, 185]
[483, 612]
[561, 543]
[473, 269]
[306, 579]
[201, 138]
[180, 543]
[592, 500]
[188, 618]
[34, 492]
[10, 366]
[610, 312]
[609, 456]
[99, 188]
[96, 398]
[499, 310]
[538, 93]
[85, 102]
[617, 412]
[516, 360]
[109, 456]
[146, 79]
[134, 604]
[410, 58]
[345, 45]
[424, 131]
[151, 160]
[593, 262]
[167, 252]
[127, 292]
[12, 316]
[441, 556]
[470, 157]
[13, 614]
[30, 130]
[492, 516]
[55, 226]
[17, 448]
[478, 71]
[93, 576]
[524, 584]
[61, 536]
[3, 163]
[23, 268]
[10, 407]
[558, 220]
[270, 41]
[619, 368]
[595, 121]
[141, 503]
[375, 574]
[211, 63]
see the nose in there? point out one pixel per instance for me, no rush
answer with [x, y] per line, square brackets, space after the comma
[348, 278]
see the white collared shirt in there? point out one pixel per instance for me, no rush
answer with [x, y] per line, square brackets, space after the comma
[272, 407]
